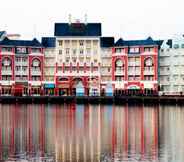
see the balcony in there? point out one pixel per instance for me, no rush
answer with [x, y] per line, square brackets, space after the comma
[36, 72]
[119, 72]
[134, 73]
[21, 72]
[25, 63]
[6, 72]
[148, 72]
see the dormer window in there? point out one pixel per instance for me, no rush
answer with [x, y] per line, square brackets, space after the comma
[21, 50]
[118, 50]
[134, 50]
[148, 49]
[36, 50]
[6, 49]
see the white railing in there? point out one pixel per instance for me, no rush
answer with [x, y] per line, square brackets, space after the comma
[119, 72]
[148, 72]
[6, 72]
[35, 73]
[21, 72]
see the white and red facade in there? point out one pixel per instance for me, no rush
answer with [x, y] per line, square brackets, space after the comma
[21, 67]
[135, 67]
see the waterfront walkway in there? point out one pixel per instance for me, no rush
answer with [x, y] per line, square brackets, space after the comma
[92, 99]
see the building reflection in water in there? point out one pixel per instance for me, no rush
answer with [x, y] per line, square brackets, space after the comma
[86, 133]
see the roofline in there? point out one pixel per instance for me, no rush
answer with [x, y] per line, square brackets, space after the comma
[137, 46]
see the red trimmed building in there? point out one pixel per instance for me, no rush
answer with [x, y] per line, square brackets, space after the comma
[21, 67]
[77, 58]
[135, 67]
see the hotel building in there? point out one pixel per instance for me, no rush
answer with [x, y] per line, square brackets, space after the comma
[135, 67]
[171, 65]
[78, 57]
[49, 65]
[21, 67]
[106, 44]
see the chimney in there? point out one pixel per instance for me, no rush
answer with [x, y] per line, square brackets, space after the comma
[70, 18]
[86, 19]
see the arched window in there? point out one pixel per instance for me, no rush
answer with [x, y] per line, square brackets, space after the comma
[119, 65]
[6, 62]
[36, 63]
[148, 62]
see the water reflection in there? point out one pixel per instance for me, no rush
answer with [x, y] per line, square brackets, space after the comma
[93, 133]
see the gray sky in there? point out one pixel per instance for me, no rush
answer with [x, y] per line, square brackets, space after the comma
[130, 19]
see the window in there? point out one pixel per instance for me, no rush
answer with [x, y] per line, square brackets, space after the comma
[95, 42]
[134, 50]
[88, 50]
[18, 68]
[118, 78]
[148, 49]
[148, 78]
[21, 50]
[176, 46]
[74, 43]
[95, 52]
[88, 43]
[168, 79]
[36, 50]
[81, 42]
[81, 51]
[95, 60]
[60, 43]
[67, 60]
[60, 52]
[67, 51]
[182, 46]
[74, 59]
[36, 63]
[67, 42]
[148, 62]
[74, 69]
[6, 49]
[74, 51]
[118, 50]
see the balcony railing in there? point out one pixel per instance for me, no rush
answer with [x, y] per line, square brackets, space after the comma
[6, 72]
[35, 73]
[148, 72]
[119, 72]
[21, 72]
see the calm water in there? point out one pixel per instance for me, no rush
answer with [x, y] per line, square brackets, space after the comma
[91, 133]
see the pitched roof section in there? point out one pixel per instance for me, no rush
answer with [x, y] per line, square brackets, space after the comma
[2, 33]
[77, 29]
[26, 43]
[49, 42]
[159, 43]
[170, 43]
[147, 42]
[106, 42]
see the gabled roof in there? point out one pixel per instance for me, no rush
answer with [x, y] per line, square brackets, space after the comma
[159, 43]
[26, 43]
[146, 42]
[77, 29]
[49, 42]
[107, 42]
[2, 33]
